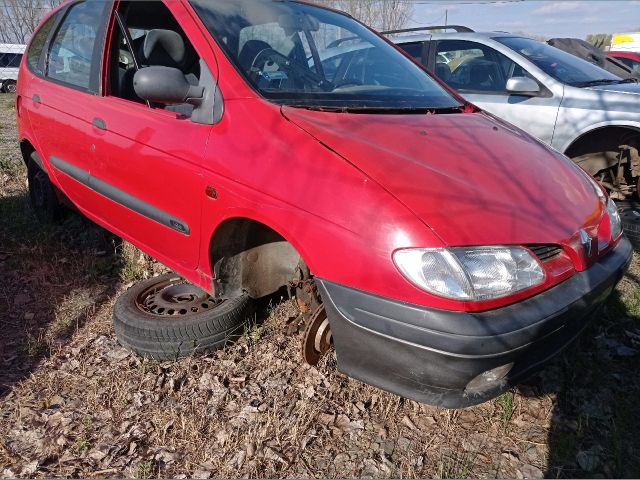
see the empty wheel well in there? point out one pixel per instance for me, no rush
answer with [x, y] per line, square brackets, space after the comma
[602, 140]
[248, 256]
[26, 149]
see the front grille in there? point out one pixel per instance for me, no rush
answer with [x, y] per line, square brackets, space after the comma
[545, 252]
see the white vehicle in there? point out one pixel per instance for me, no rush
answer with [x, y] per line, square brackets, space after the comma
[626, 42]
[10, 58]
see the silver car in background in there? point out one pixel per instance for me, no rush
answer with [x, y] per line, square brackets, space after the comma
[576, 107]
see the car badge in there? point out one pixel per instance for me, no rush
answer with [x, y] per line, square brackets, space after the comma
[585, 239]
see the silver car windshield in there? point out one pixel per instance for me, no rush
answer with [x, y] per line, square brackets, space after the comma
[560, 65]
[288, 51]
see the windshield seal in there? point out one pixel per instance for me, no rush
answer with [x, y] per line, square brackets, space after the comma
[228, 22]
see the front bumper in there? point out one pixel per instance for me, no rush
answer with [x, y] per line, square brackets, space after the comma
[431, 355]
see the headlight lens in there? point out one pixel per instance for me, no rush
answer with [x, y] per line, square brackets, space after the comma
[470, 273]
[614, 219]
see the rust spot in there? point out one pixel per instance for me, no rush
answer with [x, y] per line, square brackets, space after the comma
[211, 192]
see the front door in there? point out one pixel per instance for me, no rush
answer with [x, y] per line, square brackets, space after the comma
[148, 157]
[480, 73]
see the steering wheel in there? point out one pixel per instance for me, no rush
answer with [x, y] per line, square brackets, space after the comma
[285, 63]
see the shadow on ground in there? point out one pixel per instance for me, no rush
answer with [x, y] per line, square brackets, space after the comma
[52, 279]
[595, 418]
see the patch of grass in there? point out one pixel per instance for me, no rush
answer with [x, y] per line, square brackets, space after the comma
[36, 346]
[145, 469]
[456, 465]
[507, 405]
[254, 331]
[82, 444]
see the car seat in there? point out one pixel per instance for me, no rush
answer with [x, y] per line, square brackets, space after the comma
[443, 72]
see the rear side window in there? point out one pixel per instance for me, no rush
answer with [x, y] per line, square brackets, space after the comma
[37, 44]
[72, 52]
[414, 50]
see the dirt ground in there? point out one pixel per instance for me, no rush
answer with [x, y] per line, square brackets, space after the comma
[75, 403]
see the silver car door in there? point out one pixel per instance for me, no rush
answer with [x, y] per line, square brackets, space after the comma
[480, 74]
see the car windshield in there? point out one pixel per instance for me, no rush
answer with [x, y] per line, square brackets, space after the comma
[561, 65]
[302, 55]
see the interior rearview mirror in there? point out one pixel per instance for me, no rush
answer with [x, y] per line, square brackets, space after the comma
[523, 86]
[166, 85]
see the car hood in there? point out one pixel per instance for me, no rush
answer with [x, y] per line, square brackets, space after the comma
[469, 177]
[633, 88]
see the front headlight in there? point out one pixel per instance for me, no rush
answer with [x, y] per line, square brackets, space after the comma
[614, 219]
[470, 273]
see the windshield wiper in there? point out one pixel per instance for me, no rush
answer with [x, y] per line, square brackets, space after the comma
[603, 81]
[381, 110]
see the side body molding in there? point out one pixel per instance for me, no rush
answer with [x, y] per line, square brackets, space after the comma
[120, 196]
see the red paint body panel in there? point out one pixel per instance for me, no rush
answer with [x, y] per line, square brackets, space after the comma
[346, 190]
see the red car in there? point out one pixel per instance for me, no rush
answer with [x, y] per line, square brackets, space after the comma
[445, 253]
[630, 59]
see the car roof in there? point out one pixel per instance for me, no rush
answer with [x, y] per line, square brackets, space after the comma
[421, 37]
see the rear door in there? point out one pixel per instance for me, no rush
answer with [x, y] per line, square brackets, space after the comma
[61, 98]
[147, 159]
[480, 73]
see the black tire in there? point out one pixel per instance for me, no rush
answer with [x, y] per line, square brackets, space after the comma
[144, 328]
[9, 86]
[630, 216]
[42, 193]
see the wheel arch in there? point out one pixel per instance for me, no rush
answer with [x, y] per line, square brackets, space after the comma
[249, 255]
[27, 149]
[601, 133]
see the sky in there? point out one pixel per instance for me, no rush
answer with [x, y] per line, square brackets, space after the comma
[559, 18]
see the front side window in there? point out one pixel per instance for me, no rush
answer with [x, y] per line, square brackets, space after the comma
[71, 52]
[560, 65]
[37, 44]
[299, 54]
[473, 67]
[140, 50]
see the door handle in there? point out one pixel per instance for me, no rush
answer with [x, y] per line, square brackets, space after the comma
[99, 123]
[35, 98]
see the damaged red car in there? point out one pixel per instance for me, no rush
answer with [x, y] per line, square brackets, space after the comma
[444, 253]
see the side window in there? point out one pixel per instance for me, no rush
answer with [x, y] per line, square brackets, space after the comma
[473, 67]
[151, 37]
[633, 64]
[15, 61]
[72, 56]
[37, 44]
[5, 58]
[414, 50]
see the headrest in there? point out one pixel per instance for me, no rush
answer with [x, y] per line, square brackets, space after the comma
[443, 72]
[163, 47]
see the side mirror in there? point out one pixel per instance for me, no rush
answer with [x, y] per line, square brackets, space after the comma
[523, 86]
[166, 85]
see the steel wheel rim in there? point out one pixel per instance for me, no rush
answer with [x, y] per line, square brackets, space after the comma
[175, 297]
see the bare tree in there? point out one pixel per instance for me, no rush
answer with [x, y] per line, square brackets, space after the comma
[19, 18]
[378, 14]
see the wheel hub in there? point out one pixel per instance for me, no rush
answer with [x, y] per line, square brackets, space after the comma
[175, 296]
